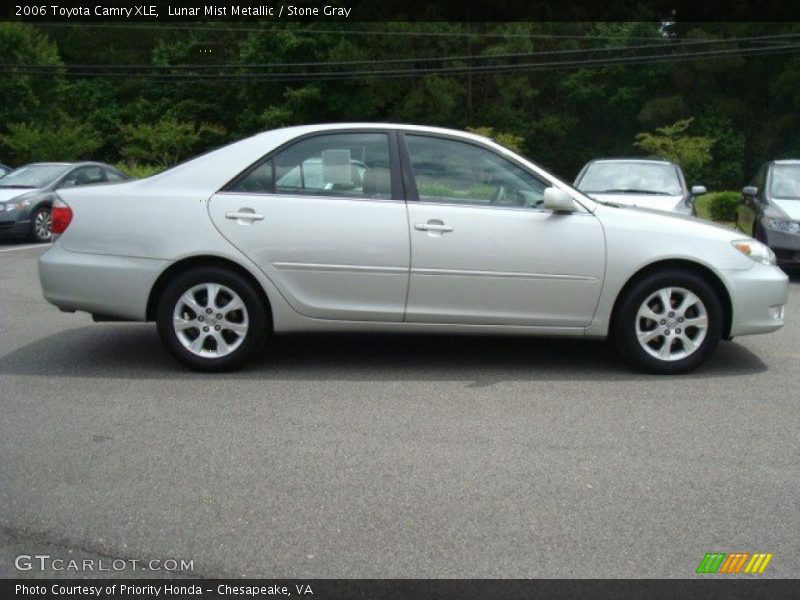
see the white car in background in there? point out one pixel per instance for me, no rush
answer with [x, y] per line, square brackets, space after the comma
[401, 228]
[643, 182]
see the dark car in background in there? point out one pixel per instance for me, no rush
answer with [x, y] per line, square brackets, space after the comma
[642, 182]
[5, 170]
[770, 209]
[26, 194]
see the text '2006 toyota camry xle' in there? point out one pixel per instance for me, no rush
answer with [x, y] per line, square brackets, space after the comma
[398, 228]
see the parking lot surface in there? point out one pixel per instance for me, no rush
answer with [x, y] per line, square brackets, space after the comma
[389, 456]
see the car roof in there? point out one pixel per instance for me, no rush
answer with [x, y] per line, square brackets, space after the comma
[660, 161]
[82, 163]
[787, 161]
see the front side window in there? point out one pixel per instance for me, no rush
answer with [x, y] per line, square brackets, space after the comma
[786, 182]
[454, 172]
[84, 176]
[631, 177]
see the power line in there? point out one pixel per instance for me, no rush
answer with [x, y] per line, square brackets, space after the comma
[400, 73]
[365, 32]
[410, 60]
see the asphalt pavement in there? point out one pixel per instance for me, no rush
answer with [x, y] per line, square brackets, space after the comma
[388, 456]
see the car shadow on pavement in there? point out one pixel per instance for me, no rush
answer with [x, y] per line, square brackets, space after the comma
[135, 351]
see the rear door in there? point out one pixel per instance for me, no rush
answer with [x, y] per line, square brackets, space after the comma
[324, 218]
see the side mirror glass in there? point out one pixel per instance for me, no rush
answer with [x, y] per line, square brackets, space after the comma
[750, 190]
[558, 200]
[699, 190]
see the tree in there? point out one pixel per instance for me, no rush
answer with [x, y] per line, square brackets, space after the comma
[69, 141]
[167, 141]
[508, 140]
[672, 142]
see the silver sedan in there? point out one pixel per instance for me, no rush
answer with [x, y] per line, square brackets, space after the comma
[400, 228]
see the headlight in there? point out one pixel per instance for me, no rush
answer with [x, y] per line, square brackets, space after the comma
[16, 205]
[755, 250]
[783, 226]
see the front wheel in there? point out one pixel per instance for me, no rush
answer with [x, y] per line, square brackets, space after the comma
[211, 319]
[41, 225]
[669, 322]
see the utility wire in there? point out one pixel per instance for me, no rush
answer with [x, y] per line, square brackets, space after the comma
[481, 57]
[399, 73]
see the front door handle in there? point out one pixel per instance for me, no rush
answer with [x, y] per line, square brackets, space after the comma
[244, 215]
[432, 226]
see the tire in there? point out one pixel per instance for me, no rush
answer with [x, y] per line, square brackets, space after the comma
[758, 234]
[222, 340]
[692, 329]
[41, 225]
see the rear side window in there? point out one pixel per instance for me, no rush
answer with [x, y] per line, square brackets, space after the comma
[347, 164]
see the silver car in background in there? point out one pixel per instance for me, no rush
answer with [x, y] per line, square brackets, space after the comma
[643, 182]
[398, 228]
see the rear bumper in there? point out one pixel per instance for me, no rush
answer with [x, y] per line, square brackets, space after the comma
[758, 296]
[112, 286]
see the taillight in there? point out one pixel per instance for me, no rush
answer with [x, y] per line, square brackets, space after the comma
[61, 216]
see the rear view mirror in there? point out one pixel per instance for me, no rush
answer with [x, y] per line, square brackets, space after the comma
[699, 190]
[558, 200]
[750, 190]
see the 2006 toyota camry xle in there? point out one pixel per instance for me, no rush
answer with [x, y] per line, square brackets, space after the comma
[401, 228]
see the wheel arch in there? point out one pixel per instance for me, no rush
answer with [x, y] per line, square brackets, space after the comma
[703, 271]
[192, 262]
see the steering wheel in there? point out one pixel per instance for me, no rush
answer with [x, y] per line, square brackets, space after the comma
[499, 195]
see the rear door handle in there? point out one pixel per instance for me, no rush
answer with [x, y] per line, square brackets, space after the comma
[432, 227]
[244, 215]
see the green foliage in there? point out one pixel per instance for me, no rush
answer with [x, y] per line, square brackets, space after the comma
[72, 140]
[720, 206]
[23, 96]
[508, 140]
[138, 171]
[672, 142]
[167, 141]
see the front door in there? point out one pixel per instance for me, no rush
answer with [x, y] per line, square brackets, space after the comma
[485, 251]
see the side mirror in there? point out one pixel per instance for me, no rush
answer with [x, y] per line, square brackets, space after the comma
[699, 190]
[558, 200]
[750, 190]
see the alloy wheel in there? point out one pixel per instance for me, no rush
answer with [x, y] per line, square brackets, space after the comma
[210, 320]
[671, 323]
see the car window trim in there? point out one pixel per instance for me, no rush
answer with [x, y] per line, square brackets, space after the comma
[397, 191]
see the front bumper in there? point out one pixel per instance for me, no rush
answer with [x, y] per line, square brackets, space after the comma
[112, 286]
[14, 229]
[786, 246]
[758, 296]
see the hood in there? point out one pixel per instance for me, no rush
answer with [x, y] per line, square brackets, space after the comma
[652, 201]
[11, 193]
[790, 207]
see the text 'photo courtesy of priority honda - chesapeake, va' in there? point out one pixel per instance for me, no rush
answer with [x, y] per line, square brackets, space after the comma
[352, 300]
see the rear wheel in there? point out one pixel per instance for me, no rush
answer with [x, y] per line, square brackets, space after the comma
[669, 322]
[41, 225]
[211, 319]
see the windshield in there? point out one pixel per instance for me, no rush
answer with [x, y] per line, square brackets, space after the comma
[786, 182]
[33, 176]
[631, 178]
